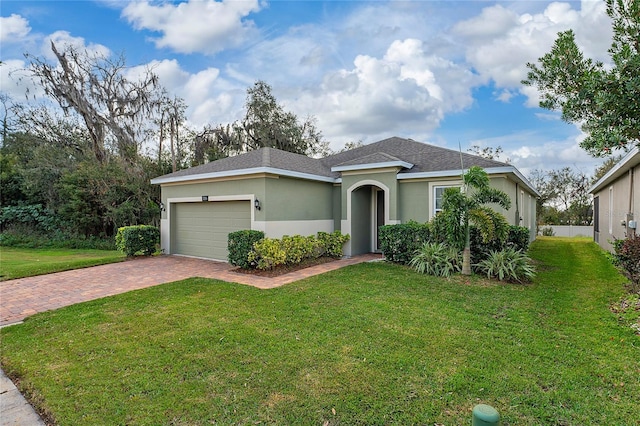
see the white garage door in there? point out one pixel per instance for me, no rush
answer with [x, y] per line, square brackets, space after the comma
[201, 229]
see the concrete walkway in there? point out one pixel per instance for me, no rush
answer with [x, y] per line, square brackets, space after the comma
[14, 409]
[23, 297]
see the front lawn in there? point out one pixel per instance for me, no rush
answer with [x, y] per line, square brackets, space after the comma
[369, 344]
[19, 262]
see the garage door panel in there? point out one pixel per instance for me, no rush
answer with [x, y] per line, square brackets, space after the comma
[201, 229]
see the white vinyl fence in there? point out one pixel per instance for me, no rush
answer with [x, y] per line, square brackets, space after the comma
[569, 230]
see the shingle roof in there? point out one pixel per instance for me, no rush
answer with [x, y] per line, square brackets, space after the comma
[260, 158]
[424, 157]
[377, 157]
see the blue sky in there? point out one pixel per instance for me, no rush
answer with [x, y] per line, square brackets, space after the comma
[442, 72]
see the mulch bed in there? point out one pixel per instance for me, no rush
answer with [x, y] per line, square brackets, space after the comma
[284, 269]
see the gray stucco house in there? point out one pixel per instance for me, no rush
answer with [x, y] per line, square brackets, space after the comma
[616, 198]
[356, 191]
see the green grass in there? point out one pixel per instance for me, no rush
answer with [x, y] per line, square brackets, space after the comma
[19, 262]
[369, 344]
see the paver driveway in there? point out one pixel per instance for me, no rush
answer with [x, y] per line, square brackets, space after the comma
[22, 297]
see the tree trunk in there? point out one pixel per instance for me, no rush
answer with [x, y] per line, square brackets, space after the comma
[466, 254]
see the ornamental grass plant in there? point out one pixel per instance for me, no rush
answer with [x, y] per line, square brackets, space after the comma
[507, 265]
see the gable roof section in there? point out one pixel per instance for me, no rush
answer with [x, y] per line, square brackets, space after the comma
[264, 160]
[424, 157]
[630, 160]
[415, 159]
[372, 161]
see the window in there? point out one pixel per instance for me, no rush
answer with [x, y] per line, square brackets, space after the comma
[438, 193]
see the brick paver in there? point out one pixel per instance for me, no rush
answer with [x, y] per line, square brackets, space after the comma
[23, 297]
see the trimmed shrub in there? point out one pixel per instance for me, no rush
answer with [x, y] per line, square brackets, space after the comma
[292, 250]
[436, 259]
[627, 258]
[332, 244]
[240, 244]
[480, 249]
[299, 248]
[518, 238]
[132, 240]
[268, 253]
[399, 242]
[507, 265]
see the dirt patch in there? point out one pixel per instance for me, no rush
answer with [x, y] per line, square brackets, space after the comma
[284, 269]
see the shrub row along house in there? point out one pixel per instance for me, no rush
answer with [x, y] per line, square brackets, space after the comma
[388, 182]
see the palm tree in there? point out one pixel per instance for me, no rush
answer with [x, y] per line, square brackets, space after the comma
[462, 207]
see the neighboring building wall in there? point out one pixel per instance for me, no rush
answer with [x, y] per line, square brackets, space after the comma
[617, 204]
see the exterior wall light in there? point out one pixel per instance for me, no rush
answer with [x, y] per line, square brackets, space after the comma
[161, 205]
[256, 203]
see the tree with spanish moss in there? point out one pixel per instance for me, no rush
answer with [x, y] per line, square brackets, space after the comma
[113, 107]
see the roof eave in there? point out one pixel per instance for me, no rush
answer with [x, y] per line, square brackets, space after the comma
[617, 170]
[387, 164]
[457, 173]
[242, 172]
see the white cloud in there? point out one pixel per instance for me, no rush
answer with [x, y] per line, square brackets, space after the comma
[492, 22]
[210, 98]
[405, 92]
[13, 28]
[499, 42]
[63, 39]
[203, 26]
[553, 155]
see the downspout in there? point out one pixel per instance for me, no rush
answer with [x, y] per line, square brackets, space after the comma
[630, 210]
[517, 222]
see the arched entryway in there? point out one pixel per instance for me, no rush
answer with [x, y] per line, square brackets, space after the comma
[367, 210]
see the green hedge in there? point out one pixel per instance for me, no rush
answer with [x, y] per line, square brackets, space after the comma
[269, 253]
[400, 242]
[240, 244]
[132, 240]
[331, 244]
[517, 239]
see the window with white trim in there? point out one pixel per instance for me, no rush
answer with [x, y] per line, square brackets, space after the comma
[438, 193]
